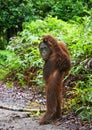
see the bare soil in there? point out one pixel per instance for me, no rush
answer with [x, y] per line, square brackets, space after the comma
[11, 120]
[13, 103]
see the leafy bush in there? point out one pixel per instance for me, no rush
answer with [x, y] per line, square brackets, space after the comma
[26, 67]
[71, 9]
[14, 13]
[65, 10]
[76, 36]
[5, 58]
[28, 64]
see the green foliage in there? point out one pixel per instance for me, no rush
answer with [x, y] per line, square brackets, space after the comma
[12, 14]
[84, 99]
[15, 12]
[76, 36]
[26, 65]
[5, 57]
[71, 9]
[65, 10]
[82, 53]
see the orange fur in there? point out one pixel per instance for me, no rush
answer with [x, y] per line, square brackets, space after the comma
[53, 73]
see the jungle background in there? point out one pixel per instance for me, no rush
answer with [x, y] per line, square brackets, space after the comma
[23, 23]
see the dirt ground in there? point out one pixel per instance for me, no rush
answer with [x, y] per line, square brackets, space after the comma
[10, 120]
[19, 99]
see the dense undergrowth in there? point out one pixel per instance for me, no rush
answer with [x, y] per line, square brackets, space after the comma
[22, 63]
[15, 12]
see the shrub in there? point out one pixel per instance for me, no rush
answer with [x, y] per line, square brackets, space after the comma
[26, 67]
